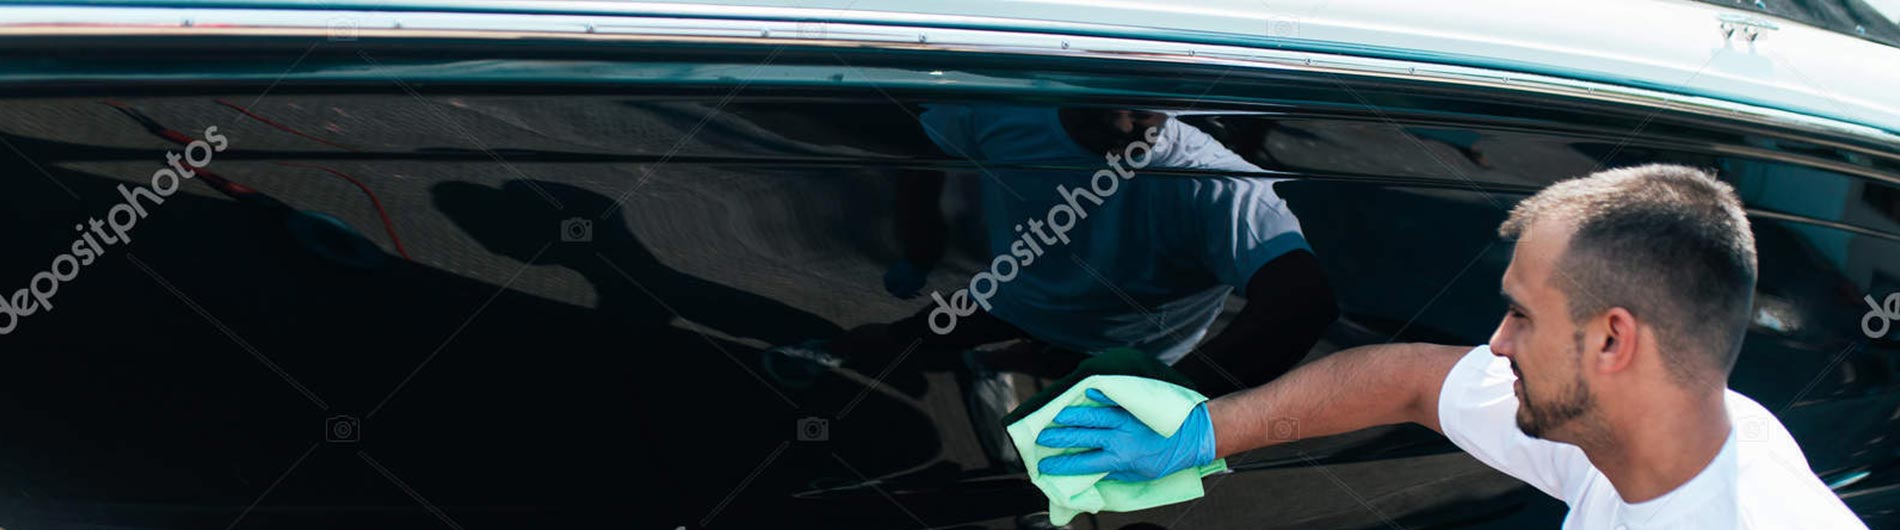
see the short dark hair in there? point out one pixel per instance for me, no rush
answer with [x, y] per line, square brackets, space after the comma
[1671, 244]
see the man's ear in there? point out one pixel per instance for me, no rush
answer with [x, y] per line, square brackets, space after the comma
[1614, 349]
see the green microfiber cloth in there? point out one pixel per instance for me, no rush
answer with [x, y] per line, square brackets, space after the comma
[1159, 404]
[1113, 361]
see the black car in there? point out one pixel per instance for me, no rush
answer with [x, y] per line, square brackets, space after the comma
[484, 268]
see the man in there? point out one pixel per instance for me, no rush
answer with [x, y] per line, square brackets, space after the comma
[1605, 385]
[1142, 261]
[1124, 260]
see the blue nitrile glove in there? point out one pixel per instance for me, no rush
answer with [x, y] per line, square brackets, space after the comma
[904, 279]
[1125, 448]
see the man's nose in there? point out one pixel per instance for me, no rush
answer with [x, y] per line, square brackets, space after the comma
[1500, 341]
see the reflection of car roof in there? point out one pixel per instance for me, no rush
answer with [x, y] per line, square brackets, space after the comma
[1664, 45]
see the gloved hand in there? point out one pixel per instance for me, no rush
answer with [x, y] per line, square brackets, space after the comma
[1125, 448]
[904, 279]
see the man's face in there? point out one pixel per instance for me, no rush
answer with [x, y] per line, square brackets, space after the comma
[1539, 337]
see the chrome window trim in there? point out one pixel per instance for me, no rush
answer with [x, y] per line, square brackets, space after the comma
[809, 27]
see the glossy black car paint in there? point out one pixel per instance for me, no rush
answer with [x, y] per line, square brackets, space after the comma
[502, 377]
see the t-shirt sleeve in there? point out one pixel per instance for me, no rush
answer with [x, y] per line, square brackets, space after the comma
[1243, 226]
[1183, 146]
[1237, 224]
[1477, 409]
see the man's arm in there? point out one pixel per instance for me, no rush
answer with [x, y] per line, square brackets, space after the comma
[1343, 392]
[1346, 391]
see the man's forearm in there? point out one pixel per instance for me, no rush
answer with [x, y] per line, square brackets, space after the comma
[1343, 392]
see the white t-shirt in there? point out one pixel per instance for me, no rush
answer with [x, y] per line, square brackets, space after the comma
[1759, 480]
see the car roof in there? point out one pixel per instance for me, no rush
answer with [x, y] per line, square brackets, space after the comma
[1680, 47]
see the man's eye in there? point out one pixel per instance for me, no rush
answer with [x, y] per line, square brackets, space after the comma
[1512, 312]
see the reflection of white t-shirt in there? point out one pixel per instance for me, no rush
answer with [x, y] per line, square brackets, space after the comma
[1162, 252]
[1759, 480]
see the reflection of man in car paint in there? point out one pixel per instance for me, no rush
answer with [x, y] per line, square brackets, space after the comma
[1149, 268]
